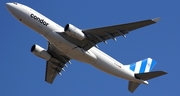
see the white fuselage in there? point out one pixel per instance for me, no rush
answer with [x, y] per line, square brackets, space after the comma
[50, 30]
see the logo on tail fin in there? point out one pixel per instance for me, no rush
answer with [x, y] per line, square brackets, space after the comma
[142, 66]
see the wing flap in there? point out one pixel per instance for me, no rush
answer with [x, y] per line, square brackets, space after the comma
[50, 72]
[55, 65]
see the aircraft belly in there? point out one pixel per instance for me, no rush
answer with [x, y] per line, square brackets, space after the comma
[110, 66]
[92, 56]
[70, 49]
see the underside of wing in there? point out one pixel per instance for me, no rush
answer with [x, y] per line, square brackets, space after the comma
[51, 72]
[102, 34]
[55, 65]
[96, 35]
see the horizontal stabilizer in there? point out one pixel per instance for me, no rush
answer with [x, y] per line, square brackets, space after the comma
[149, 75]
[132, 86]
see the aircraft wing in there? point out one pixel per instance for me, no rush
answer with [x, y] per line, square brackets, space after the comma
[96, 35]
[55, 65]
[102, 34]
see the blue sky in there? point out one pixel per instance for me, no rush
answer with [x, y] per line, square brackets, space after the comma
[22, 73]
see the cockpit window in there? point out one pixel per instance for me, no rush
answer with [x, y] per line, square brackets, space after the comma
[15, 3]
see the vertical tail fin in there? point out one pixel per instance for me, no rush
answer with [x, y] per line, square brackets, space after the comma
[142, 66]
[132, 86]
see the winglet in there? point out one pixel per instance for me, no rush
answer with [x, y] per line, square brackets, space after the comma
[156, 19]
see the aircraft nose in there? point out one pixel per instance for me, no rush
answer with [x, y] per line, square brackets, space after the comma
[9, 6]
[14, 9]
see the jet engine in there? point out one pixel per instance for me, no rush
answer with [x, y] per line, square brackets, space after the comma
[40, 52]
[75, 32]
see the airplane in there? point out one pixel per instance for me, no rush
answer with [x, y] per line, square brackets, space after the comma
[72, 43]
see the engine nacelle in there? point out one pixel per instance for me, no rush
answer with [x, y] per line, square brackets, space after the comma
[75, 32]
[40, 52]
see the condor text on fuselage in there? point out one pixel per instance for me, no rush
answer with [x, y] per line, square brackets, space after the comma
[39, 20]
